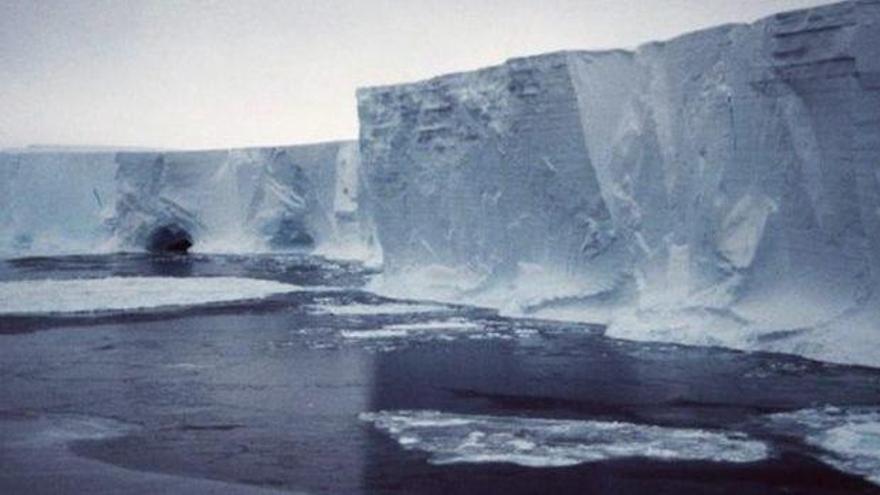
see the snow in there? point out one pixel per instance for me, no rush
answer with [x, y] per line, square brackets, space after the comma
[540, 443]
[850, 439]
[129, 293]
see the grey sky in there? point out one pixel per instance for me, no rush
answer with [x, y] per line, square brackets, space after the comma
[196, 74]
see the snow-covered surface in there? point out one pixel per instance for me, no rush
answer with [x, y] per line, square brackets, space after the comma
[460, 438]
[129, 293]
[720, 188]
[849, 438]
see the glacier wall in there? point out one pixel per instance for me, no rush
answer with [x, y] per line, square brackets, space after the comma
[721, 188]
[54, 202]
[246, 200]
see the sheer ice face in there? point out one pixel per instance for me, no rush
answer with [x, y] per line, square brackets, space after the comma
[55, 203]
[290, 198]
[721, 187]
[483, 169]
[239, 200]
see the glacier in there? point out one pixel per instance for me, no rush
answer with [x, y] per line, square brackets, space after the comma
[55, 202]
[241, 200]
[721, 188]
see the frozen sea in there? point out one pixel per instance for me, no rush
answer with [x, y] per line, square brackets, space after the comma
[279, 373]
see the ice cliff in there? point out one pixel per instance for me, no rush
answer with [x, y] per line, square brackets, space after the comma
[247, 200]
[55, 202]
[721, 188]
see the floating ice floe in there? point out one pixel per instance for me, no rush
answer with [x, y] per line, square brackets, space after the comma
[378, 309]
[850, 438]
[381, 333]
[460, 438]
[129, 293]
[451, 324]
[438, 327]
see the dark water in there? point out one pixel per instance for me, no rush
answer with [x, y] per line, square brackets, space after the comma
[268, 394]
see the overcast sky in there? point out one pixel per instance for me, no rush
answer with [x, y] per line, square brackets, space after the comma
[224, 73]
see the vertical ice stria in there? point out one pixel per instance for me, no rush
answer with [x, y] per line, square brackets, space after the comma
[720, 188]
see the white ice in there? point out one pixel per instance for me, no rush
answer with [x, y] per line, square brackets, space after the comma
[129, 293]
[460, 438]
[377, 309]
[850, 438]
[719, 188]
[455, 324]
[442, 329]
[230, 201]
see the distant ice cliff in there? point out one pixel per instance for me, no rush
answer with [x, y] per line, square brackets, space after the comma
[264, 199]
